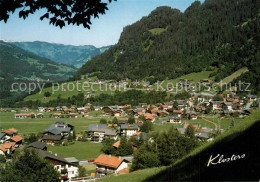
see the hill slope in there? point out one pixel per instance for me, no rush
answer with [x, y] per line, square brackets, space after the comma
[169, 43]
[65, 54]
[238, 141]
[20, 64]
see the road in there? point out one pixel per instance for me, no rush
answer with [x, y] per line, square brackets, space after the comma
[215, 124]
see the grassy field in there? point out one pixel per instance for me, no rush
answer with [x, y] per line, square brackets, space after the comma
[71, 88]
[157, 31]
[233, 76]
[193, 77]
[80, 150]
[26, 126]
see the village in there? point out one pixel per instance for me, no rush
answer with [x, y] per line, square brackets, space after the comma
[126, 124]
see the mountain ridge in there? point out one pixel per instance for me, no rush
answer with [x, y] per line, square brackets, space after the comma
[62, 53]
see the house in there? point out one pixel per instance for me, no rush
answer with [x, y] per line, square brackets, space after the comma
[50, 109]
[193, 116]
[227, 106]
[3, 151]
[99, 132]
[57, 115]
[216, 105]
[177, 113]
[84, 115]
[41, 109]
[117, 144]
[3, 137]
[52, 139]
[72, 160]
[8, 148]
[38, 145]
[39, 115]
[73, 115]
[17, 140]
[11, 132]
[139, 135]
[113, 111]
[97, 108]
[21, 116]
[106, 164]
[204, 134]
[123, 121]
[174, 119]
[149, 117]
[59, 128]
[66, 169]
[129, 129]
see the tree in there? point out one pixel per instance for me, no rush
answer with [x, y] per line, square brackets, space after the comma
[58, 12]
[190, 132]
[145, 158]
[2, 159]
[82, 171]
[146, 127]
[218, 97]
[125, 148]
[115, 121]
[107, 146]
[131, 120]
[27, 167]
[103, 121]
[74, 134]
[47, 94]
[32, 138]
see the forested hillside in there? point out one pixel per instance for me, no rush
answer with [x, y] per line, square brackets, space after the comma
[17, 63]
[60, 53]
[169, 43]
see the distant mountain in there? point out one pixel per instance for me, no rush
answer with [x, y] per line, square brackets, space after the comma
[169, 43]
[19, 64]
[65, 54]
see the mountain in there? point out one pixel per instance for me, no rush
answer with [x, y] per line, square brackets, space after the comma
[169, 44]
[65, 54]
[19, 64]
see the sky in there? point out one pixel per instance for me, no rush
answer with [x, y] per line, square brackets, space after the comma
[104, 31]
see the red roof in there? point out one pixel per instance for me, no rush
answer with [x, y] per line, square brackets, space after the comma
[2, 148]
[177, 111]
[10, 131]
[109, 161]
[17, 138]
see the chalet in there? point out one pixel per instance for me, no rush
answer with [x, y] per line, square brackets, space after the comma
[149, 117]
[217, 105]
[59, 128]
[85, 115]
[113, 111]
[139, 135]
[252, 97]
[3, 137]
[8, 148]
[174, 119]
[50, 109]
[204, 134]
[97, 108]
[17, 140]
[41, 109]
[169, 104]
[52, 139]
[181, 104]
[106, 164]
[142, 104]
[123, 121]
[38, 145]
[68, 110]
[57, 115]
[227, 106]
[3, 151]
[177, 113]
[72, 160]
[129, 129]
[73, 115]
[39, 115]
[66, 169]
[11, 132]
[117, 144]
[22, 116]
[99, 132]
